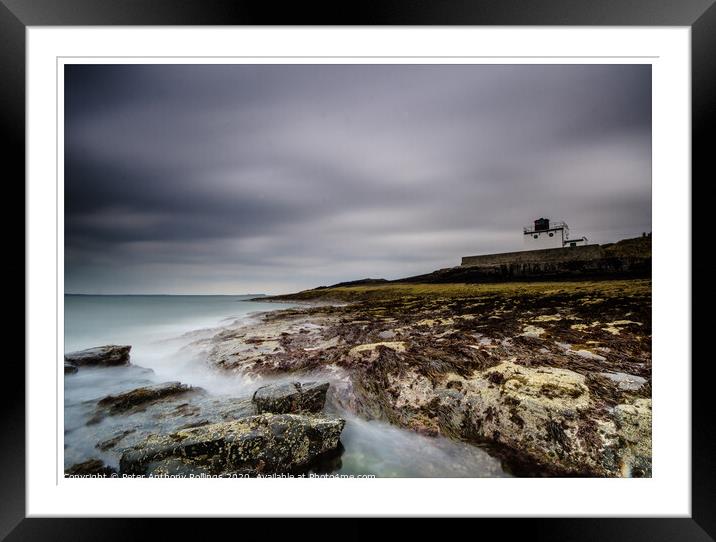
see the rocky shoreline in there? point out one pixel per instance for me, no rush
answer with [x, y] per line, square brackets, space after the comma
[280, 429]
[553, 377]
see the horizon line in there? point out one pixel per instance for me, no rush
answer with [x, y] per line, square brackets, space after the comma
[203, 295]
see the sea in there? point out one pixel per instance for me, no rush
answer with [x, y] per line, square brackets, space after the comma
[160, 327]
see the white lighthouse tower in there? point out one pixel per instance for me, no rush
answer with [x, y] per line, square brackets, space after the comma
[546, 234]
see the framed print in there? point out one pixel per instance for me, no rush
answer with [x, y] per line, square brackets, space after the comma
[425, 262]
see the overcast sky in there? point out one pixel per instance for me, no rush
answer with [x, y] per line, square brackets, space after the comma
[274, 178]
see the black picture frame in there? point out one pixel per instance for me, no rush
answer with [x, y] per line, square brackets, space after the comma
[699, 15]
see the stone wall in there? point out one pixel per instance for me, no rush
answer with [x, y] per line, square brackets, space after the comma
[547, 255]
[630, 258]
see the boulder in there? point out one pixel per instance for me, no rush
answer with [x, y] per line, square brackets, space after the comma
[116, 404]
[70, 368]
[258, 445]
[544, 420]
[294, 397]
[104, 356]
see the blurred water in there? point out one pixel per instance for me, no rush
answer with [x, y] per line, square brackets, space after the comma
[143, 320]
[159, 328]
[378, 448]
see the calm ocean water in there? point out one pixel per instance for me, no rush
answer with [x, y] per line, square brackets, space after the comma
[160, 327]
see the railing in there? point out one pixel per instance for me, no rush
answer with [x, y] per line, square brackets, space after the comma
[552, 226]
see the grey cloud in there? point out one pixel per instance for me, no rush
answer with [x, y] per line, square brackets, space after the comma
[233, 178]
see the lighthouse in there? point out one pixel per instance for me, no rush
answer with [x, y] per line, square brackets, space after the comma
[549, 234]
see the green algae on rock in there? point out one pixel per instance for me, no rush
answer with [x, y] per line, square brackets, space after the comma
[261, 444]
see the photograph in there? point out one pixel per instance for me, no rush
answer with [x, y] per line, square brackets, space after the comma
[356, 270]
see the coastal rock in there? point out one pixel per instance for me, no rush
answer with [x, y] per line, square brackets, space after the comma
[70, 368]
[177, 466]
[626, 381]
[261, 444]
[116, 404]
[234, 409]
[294, 397]
[542, 420]
[91, 467]
[111, 442]
[538, 411]
[535, 372]
[105, 356]
[546, 418]
[633, 430]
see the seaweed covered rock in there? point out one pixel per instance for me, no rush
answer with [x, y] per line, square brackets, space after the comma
[116, 404]
[104, 356]
[546, 417]
[633, 430]
[553, 377]
[293, 397]
[261, 444]
[534, 410]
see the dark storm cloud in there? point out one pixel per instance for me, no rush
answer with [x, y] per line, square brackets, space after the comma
[221, 178]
